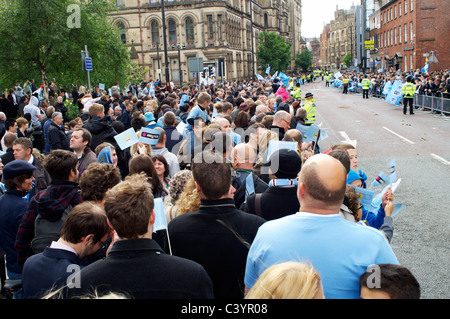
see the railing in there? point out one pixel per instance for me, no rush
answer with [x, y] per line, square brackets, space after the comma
[432, 103]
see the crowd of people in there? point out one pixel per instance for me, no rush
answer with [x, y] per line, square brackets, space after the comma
[244, 219]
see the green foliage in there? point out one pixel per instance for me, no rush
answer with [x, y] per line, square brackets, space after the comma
[347, 59]
[72, 111]
[303, 60]
[39, 42]
[273, 50]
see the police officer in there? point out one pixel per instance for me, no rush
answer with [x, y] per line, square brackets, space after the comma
[297, 95]
[345, 82]
[310, 107]
[365, 87]
[408, 91]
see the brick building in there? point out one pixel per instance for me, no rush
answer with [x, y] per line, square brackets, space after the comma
[404, 30]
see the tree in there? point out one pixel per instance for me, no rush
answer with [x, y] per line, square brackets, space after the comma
[303, 60]
[44, 39]
[273, 50]
[347, 59]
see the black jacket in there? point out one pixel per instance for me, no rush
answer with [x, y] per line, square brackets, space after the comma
[101, 130]
[140, 268]
[218, 237]
[276, 202]
[239, 183]
[57, 138]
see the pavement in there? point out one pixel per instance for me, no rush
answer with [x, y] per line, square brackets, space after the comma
[420, 145]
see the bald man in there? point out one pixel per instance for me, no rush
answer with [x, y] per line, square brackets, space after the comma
[243, 157]
[281, 123]
[339, 250]
[226, 127]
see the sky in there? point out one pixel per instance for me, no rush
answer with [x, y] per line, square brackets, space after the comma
[316, 13]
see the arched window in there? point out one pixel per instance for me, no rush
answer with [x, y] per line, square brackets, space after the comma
[122, 32]
[266, 20]
[172, 31]
[154, 28]
[189, 30]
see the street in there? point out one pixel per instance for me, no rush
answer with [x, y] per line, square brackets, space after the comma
[420, 145]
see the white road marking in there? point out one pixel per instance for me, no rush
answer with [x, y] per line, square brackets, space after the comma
[440, 159]
[403, 138]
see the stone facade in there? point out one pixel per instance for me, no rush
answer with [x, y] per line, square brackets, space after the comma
[204, 29]
[338, 39]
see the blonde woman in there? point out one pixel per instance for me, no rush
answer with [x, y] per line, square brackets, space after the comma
[263, 143]
[189, 200]
[140, 148]
[289, 280]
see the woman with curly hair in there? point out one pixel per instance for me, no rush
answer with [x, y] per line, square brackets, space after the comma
[189, 200]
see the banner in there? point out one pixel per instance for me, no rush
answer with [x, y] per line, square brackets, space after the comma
[149, 136]
[395, 94]
[284, 78]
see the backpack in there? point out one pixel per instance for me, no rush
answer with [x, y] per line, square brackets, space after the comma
[46, 231]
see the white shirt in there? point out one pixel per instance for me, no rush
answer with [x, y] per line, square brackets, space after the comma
[56, 245]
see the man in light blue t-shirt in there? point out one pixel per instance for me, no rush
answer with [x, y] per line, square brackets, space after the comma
[338, 249]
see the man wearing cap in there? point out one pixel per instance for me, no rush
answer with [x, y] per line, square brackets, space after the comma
[279, 199]
[310, 107]
[18, 178]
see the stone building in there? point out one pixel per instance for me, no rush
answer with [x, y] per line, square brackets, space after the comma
[325, 56]
[341, 38]
[204, 29]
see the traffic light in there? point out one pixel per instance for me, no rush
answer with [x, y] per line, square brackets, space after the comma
[391, 63]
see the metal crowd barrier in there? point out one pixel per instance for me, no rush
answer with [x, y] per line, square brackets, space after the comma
[432, 103]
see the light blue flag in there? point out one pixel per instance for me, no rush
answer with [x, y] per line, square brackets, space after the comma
[276, 145]
[311, 134]
[127, 138]
[160, 217]
[274, 76]
[249, 186]
[284, 78]
[149, 136]
[381, 179]
[323, 134]
[392, 171]
[259, 77]
[302, 128]
[397, 209]
[268, 70]
[365, 195]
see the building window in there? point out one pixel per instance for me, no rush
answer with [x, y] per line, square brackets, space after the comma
[406, 33]
[400, 9]
[406, 6]
[189, 30]
[406, 62]
[411, 32]
[122, 32]
[411, 5]
[172, 31]
[154, 28]
[119, 3]
[266, 20]
[400, 34]
[219, 26]
[395, 12]
[395, 36]
[210, 27]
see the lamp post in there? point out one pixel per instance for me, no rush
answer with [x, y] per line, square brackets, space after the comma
[253, 45]
[179, 47]
[166, 60]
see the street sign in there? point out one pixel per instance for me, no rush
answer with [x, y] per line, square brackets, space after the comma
[369, 45]
[88, 63]
[195, 64]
